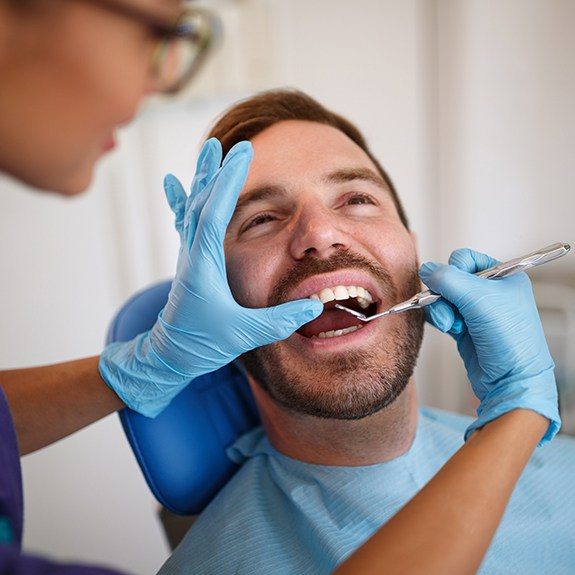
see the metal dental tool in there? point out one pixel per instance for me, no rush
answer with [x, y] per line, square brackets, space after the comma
[517, 265]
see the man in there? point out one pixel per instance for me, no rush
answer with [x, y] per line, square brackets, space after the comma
[345, 445]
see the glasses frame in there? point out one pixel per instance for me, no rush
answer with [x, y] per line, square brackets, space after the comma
[201, 28]
[205, 35]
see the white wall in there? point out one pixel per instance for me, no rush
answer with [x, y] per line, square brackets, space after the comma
[467, 103]
[506, 136]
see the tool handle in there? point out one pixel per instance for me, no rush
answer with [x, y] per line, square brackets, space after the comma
[514, 266]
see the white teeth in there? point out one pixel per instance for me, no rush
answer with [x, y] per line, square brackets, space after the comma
[364, 298]
[340, 292]
[338, 332]
[326, 295]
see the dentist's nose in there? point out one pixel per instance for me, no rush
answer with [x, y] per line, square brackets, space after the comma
[316, 234]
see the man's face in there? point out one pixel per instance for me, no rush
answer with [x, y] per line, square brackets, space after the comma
[313, 215]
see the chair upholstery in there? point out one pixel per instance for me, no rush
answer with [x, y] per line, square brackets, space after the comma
[181, 452]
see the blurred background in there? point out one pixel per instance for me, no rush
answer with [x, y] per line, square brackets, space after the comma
[467, 103]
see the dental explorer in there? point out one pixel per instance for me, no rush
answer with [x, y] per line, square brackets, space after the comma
[517, 265]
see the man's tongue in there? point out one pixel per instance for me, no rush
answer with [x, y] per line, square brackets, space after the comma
[330, 319]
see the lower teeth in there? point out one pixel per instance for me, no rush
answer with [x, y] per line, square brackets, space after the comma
[337, 332]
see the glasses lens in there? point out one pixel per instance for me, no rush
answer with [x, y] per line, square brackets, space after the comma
[179, 57]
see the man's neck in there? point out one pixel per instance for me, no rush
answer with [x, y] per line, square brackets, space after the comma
[375, 439]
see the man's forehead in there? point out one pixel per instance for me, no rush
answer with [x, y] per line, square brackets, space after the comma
[297, 134]
[296, 150]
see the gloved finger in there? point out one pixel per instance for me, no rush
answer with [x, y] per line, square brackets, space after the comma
[177, 198]
[440, 315]
[224, 191]
[457, 327]
[207, 167]
[471, 261]
[445, 318]
[243, 147]
[451, 283]
[278, 322]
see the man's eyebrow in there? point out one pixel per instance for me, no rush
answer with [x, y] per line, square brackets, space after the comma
[260, 194]
[351, 174]
[273, 191]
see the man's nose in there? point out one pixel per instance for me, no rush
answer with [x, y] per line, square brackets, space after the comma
[317, 234]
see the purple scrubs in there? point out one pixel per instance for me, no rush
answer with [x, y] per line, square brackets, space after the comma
[12, 560]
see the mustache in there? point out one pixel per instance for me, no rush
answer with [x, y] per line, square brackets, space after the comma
[312, 266]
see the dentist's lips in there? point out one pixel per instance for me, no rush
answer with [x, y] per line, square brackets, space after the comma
[109, 144]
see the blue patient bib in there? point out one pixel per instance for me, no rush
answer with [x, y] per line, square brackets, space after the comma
[279, 515]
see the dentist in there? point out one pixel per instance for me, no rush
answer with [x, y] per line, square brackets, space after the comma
[72, 72]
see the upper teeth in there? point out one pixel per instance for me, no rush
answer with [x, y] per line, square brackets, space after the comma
[363, 297]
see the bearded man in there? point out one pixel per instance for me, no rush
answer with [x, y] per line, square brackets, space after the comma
[344, 444]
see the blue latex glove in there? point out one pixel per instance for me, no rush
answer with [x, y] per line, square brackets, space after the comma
[499, 336]
[201, 328]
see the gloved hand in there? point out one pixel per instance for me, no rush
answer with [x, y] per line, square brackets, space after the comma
[499, 336]
[201, 328]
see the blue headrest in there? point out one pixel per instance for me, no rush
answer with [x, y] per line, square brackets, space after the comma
[182, 451]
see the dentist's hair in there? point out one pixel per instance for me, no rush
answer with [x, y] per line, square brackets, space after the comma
[246, 119]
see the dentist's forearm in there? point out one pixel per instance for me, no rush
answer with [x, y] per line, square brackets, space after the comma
[448, 526]
[50, 402]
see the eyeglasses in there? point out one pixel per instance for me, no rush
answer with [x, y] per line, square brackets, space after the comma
[182, 47]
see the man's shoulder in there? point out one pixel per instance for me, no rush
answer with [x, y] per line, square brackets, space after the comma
[246, 526]
[240, 498]
[561, 450]
[256, 520]
[557, 458]
[448, 419]
[266, 475]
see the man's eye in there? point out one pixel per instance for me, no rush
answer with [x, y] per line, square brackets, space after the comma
[360, 199]
[259, 220]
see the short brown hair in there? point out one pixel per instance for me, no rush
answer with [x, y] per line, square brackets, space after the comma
[248, 118]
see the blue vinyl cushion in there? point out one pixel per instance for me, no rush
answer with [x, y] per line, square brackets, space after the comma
[182, 451]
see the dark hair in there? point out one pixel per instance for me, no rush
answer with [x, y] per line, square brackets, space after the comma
[248, 118]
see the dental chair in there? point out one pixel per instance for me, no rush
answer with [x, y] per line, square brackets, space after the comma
[181, 452]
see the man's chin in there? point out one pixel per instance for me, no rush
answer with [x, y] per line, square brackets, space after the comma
[339, 379]
[344, 386]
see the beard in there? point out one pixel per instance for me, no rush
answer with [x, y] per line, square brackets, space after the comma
[350, 385]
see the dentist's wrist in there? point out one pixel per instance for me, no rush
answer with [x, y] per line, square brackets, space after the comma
[139, 377]
[537, 393]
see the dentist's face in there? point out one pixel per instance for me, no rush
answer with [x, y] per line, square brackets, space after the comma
[72, 73]
[315, 219]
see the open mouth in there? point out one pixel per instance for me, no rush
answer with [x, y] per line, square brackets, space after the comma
[334, 322]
